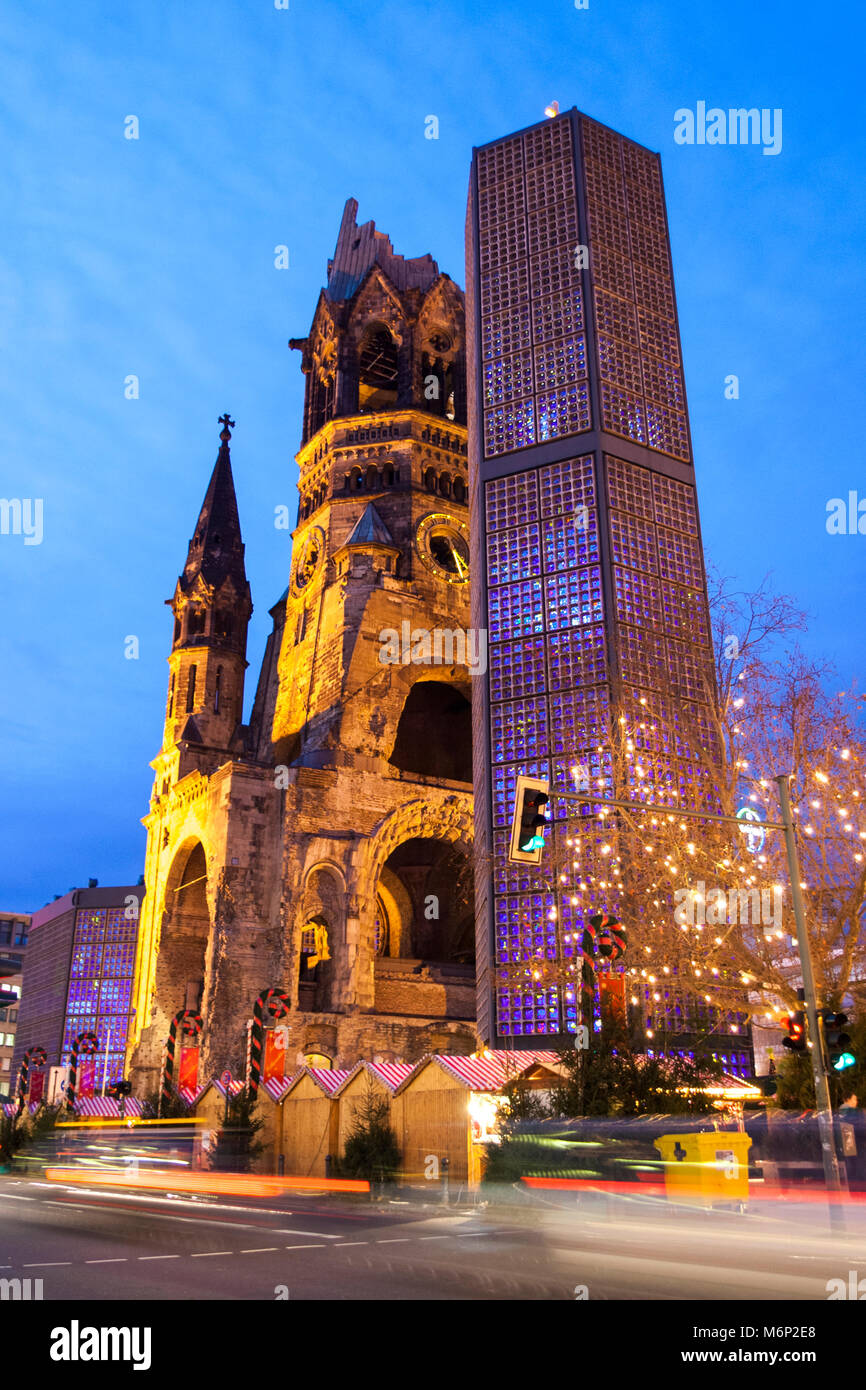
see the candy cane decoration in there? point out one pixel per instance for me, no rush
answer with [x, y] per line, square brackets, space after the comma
[85, 1044]
[190, 1024]
[278, 1005]
[612, 935]
[38, 1057]
[587, 973]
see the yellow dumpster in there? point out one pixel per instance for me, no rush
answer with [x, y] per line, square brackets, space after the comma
[706, 1168]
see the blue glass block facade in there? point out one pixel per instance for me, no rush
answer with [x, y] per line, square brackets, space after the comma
[585, 524]
[99, 997]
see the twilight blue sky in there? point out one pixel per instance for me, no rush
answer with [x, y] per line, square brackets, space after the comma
[156, 257]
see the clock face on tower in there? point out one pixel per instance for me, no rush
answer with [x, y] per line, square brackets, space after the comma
[442, 542]
[308, 557]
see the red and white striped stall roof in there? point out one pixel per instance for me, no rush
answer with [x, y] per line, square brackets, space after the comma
[106, 1108]
[391, 1074]
[277, 1086]
[190, 1096]
[489, 1071]
[328, 1079]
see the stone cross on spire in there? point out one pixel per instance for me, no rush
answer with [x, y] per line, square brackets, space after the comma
[227, 425]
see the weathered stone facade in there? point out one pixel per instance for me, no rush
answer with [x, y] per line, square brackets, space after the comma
[340, 817]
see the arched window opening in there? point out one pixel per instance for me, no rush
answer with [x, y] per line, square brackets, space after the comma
[434, 735]
[438, 385]
[430, 480]
[459, 490]
[217, 690]
[314, 964]
[445, 484]
[190, 691]
[372, 479]
[377, 370]
[195, 622]
[185, 928]
[319, 1060]
[389, 477]
[176, 629]
[224, 624]
[321, 399]
[417, 871]
[171, 696]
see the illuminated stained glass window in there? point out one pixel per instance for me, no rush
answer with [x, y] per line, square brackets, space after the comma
[507, 378]
[517, 668]
[642, 391]
[518, 730]
[516, 610]
[573, 598]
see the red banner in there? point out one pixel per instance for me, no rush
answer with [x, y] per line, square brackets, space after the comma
[188, 1077]
[611, 995]
[275, 1055]
[37, 1086]
[86, 1077]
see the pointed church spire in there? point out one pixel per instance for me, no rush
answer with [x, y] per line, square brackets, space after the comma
[216, 549]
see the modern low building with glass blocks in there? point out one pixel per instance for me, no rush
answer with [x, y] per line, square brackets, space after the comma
[584, 519]
[78, 979]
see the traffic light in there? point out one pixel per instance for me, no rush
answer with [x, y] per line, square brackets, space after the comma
[796, 1025]
[531, 795]
[838, 1041]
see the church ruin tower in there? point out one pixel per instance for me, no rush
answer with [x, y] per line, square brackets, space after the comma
[211, 607]
[376, 746]
[324, 849]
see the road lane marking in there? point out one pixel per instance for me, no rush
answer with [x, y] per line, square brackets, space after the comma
[115, 1260]
[434, 1237]
[261, 1250]
[320, 1235]
[346, 1243]
[13, 1197]
[46, 1264]
[203, 1254]
[394, 1240]
[295, 1247]
[158, 1257]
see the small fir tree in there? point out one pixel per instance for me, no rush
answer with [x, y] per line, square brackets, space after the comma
[372, 1150]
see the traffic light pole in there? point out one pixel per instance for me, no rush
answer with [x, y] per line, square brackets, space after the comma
[832, 1173]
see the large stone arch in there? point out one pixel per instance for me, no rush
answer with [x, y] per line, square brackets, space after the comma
[444, 825]
[183, 937]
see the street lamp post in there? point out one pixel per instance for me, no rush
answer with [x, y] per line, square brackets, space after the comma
[832, 1174]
